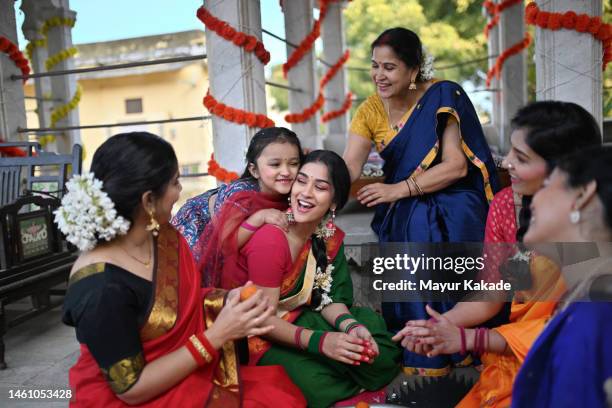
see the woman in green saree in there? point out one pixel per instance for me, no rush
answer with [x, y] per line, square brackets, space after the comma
[329, 348]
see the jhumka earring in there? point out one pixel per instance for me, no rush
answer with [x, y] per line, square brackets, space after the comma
[412, 86]
[329, 229]
[153, 224]
[289, 213]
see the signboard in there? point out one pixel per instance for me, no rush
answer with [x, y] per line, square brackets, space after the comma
[34, 234]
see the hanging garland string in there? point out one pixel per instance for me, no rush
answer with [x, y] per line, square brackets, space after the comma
[307, 42]
[494, 10]
[582, 23]
[218, 172]
[348, 102]
[495, 71]
[317, 105]
[250, 43]
[235, 115]
[13, 52]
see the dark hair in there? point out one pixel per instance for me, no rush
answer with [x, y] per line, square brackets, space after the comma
[405, 43]
[592, 164]
[341, 181]
[130, 164]
[265, 137]
[554, 129]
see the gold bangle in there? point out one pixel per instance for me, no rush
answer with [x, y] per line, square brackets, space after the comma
[200, 347]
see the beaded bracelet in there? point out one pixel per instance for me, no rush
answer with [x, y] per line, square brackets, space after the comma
[342, 317]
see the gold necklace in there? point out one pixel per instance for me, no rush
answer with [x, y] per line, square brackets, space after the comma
[391, 125]
[145, 263]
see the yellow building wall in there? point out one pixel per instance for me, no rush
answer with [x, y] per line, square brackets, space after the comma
[165, 95]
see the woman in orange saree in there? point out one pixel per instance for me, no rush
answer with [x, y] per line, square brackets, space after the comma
[149, 334]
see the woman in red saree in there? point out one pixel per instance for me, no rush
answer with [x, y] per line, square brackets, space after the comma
[149, 334]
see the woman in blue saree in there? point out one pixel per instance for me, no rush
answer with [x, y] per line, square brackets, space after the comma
[439, 173]
[570, 364]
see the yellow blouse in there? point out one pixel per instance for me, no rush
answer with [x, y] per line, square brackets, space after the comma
[372, 122]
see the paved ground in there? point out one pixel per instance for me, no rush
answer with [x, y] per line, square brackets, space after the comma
[38, 354]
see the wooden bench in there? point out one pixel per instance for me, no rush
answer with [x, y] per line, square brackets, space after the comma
[34, 257]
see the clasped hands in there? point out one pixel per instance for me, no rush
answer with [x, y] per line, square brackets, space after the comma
[353, 348]
[430, 337]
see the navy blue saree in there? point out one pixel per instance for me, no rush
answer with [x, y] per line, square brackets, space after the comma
[456, 213]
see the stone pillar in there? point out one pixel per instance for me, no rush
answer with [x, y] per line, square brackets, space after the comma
[31, 29]
[493, 131]
[298, 24]
[513, 84]
[12, 107]
[236, 79]
[569, 63]
[63, 87]
[336, 89]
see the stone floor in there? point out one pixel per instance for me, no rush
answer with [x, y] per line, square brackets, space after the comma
[39, 353]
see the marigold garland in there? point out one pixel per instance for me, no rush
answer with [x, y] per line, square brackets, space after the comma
[494, 10]
[495, 71]
[317, 105]
[235, 115]
[35, 44]
[60, 56]
[348, 102]
[218, 172]
[223, 29]
[582, 23]
[13, 52]
[306, 45]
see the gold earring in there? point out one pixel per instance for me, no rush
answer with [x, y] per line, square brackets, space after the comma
[412, 86]
[153, 224]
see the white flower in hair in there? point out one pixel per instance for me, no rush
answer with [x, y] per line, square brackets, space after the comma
[426, 69]
[87, 213]
[323, 281]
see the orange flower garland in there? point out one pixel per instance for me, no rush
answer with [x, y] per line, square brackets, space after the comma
[10, 49]
[218, 172]
[495, 71]
[348, 102]
[308, 41]
[494, 10]
[223, 29]
[309, 112]
[583, 23]
[238, 116]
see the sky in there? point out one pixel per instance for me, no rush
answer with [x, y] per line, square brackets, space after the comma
[117, 19]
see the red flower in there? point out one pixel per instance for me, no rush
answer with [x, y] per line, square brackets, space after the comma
[554, 22]
[531, 13]
[569, 20]
[239, 116]
[582, 23]
[542, 19]
[4, 44]
[251, 43]
[250, 119]
[605, 32]
[218, 109]
[594, 25]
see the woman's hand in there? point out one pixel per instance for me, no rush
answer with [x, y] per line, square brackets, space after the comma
[344, 348]
[411, 342]
[269, 216]
[361, 332]
[240, 319]
[378, 193]
[440, 334]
